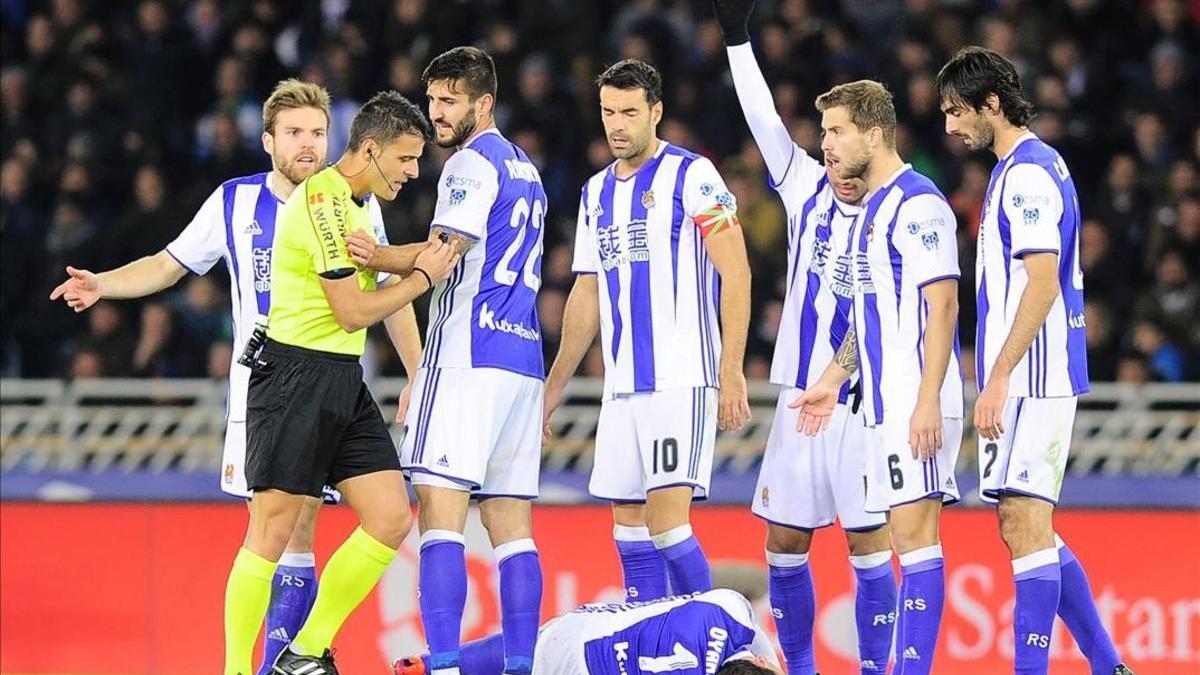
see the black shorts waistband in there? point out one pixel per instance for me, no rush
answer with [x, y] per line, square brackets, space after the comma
[274, 348]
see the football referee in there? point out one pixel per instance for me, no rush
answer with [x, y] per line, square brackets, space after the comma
[310, 419]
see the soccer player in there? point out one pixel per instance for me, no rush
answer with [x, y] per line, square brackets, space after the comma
[805, 482]
[901, 268]
[237, 224]
[711, 632]
[475, 427]
[310, 419]
[658, 248]
[1031, 352]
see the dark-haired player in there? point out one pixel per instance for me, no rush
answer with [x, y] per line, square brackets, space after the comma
[1031, 352]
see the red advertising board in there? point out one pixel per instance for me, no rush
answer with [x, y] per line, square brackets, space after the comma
[137, 588]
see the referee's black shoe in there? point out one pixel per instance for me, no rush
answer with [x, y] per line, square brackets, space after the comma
[291, 663]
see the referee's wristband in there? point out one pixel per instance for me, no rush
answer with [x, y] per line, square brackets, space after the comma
[425, 274]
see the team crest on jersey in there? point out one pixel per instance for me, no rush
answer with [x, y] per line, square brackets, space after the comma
[253, 227]
[648, 199]
[262, 269]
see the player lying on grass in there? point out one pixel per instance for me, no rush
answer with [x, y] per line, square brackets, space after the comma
[711, 632]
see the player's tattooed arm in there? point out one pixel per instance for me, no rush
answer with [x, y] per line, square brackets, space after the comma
[461, 242]
[847, 354]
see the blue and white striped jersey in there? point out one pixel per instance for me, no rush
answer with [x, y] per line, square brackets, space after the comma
[237, 223]
[903, 239]
[485, 314]
[659, 291]
[1031, 207]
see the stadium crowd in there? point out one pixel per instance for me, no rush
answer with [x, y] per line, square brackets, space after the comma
[120, 118]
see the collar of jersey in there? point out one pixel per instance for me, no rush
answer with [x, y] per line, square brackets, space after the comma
[612, 168]
[1028, 135]
[888, 183]
[489, 130]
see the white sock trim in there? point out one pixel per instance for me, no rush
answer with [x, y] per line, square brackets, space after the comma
[511, 548]
[672, 537]
[1058, 542]
[628, 533]
[870, 560]
[443, 535]
[446, 671]
[298, 560]
[1042, 558]
[921, 555]
[787, 559]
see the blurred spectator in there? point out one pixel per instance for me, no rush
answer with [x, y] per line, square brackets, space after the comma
[117, 122]
[1165, 359]
[111, 338]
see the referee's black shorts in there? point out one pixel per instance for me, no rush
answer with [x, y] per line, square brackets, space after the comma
[311, 422]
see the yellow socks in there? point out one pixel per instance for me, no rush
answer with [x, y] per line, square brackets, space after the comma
[247, 595]
[351, 573]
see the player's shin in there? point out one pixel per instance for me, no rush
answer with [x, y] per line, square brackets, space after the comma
[293, 592]
[794, 605]
[644, 567]
[443, 586]
[687, 568]
[246, 596]
[874, 609]
[352, 571]
[1077, 607]
[520, 603]
[1038, 580]
[922, 597]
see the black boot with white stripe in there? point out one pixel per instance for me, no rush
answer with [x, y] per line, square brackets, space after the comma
[291, 663]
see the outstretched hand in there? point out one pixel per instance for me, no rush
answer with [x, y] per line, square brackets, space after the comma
[81, 290]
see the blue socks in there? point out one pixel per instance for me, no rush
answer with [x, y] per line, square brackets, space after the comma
[644, 568]
[687, 567]
[1038, 581]
[922, 597]
[520, 605]
[874, 609]
[794, 606]
[443, 595]
[293, 591]
[1078, 610]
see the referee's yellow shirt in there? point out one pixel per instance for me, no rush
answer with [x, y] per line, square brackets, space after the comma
[310, 242]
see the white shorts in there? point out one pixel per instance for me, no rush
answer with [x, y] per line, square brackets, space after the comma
[894, 478]
[475, 429]
[1030, 457]
[655, 440]
[806, 481]
[559, 648]
[233, 464]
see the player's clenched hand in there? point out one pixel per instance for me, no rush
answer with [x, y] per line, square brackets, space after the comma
[733, 407]
[733, 15]
[361, 247]
[925, 429]
[438, 260]
[552, 399]
[81, 290]
[816, 406]
[989, 407]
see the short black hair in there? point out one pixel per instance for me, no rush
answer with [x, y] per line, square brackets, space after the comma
[633, 74]
[471, 66]
[743, 667]
[386, 117]
[976, 73]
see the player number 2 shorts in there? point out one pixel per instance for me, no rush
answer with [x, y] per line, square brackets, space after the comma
[654, 440]
[475, 429]
[894, 478]
[1030, 457]
[806, 481]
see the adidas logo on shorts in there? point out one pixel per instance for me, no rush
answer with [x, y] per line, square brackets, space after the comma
[443, 462]
[1023, 476]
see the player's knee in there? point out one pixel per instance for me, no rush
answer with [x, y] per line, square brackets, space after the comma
[866, 543]
[788, 540]
[1022, 528]
[389, 526]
